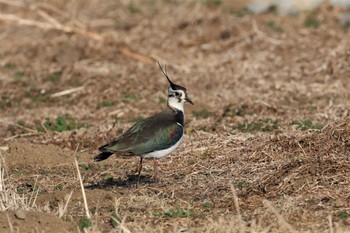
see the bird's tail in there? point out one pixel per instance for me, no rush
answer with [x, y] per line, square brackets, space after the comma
[102, 156]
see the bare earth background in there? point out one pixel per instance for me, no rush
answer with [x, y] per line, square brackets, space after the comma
[267, 141]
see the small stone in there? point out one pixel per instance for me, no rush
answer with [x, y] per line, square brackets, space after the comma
[20, 214]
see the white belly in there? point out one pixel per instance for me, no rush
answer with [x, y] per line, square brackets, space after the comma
[162, 153]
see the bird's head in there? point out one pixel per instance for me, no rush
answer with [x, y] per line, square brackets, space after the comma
[177, 95]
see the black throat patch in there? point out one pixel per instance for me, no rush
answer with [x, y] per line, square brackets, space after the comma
[179, 117]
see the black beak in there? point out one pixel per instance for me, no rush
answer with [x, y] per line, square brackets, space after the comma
[189, 100]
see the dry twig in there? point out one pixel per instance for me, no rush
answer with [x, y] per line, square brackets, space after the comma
[263, 35]
[82, 186]
[330, 223]
[49, 26]
[67, 92]
[136, 56]
[283, 223]
[62, 209]
[22, 135]
[236, 200]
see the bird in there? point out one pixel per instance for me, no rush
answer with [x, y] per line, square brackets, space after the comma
[156, 136]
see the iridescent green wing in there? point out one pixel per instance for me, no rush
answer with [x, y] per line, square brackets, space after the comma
[162, 139]
[153, 133]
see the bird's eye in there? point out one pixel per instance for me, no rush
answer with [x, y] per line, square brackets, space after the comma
[177, 94]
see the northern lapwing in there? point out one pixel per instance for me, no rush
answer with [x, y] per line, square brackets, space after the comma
[153, 137]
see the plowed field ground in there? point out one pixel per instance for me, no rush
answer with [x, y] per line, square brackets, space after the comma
[267, 141]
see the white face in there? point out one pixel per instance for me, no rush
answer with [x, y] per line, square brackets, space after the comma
[176, 99]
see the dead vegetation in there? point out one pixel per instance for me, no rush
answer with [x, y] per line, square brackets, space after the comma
[267, 142]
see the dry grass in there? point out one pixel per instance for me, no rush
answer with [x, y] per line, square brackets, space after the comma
[10, 199]
[266, 145]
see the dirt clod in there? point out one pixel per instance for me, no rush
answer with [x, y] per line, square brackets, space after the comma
[20, 214]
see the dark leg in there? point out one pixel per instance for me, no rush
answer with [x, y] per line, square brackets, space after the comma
[139, 172]
[155, 169]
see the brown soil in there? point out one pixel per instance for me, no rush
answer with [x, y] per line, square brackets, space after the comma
[268, 133]
[33, 221]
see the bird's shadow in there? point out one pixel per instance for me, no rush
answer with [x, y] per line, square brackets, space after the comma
[131, 180]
